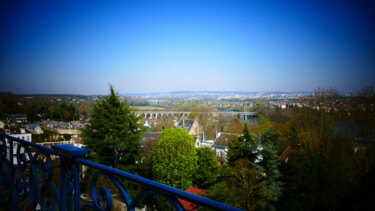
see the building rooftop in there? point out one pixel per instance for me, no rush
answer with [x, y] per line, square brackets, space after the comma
[16, 130]
[189, 205]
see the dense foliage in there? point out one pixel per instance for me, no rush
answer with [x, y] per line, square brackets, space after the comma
[326, 170]
[113, 133]
[207, 170]
[174, 159]
[251, 178]
[65, 112]
[330, 165]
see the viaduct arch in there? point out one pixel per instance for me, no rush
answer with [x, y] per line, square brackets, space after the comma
[184, 114]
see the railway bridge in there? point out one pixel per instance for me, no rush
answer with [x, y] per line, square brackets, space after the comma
[185, 114]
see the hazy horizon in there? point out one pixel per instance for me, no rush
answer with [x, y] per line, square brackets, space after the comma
[187, 91]
[105, 92]
[50, 47]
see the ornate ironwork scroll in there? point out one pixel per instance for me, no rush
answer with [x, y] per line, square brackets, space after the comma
[29, 178]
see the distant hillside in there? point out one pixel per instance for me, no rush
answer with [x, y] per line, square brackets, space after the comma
[215, 94]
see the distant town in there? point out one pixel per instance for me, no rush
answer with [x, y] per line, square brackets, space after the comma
[52, 118]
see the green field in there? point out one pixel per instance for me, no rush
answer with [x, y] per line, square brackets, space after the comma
[147, 108]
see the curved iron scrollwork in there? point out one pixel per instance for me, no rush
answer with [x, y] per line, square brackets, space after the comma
[141, 196]
[102, 195]
[29, 177]
[69, 183]
[5, 171]
[42, 163]
[3, 149]
[21, 173]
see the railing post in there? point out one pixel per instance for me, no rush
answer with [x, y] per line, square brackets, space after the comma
[69, 175]
[13, 198]
[6, 170]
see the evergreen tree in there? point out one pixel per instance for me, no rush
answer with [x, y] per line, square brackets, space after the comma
[272, 185]
[207, 169]
[244, 147]
[113, 133]
[253, 178]
[174, 159]
[240, 186]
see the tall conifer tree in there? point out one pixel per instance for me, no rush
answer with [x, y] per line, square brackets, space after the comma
[113, 133]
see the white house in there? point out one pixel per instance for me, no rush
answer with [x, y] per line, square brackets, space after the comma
[35, 128]
[20, 133]
[219, 145]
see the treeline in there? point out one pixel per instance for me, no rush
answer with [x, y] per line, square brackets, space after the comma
[326, 166]
[321, 169]
[9, 104]
[137, 102]
[43, 107]
[325, 171]
[63, 111]
[331, 163]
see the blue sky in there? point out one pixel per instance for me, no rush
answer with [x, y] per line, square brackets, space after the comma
[78, 47]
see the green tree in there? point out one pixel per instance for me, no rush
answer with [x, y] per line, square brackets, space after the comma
[47, 135]
[207, 169]
[241, 185]
[65, 112]
[326, 171]
[67, 137]
[174, 159]
[244, 147]
[253, 178]
[113, 133]
[271, 180]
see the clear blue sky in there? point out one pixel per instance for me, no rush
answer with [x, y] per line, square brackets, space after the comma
[78, 47]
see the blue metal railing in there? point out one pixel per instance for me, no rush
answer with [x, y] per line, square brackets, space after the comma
[27, 179]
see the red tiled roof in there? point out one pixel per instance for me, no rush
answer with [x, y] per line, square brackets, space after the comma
[285, 154]
[189, 205]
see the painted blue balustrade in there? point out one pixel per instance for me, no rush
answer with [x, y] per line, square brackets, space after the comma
[27, 181]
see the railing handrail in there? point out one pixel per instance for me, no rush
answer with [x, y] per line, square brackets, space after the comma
[155, 186]
[29, 143]
[159, 187]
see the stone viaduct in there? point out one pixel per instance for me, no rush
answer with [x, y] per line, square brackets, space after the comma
[185, 114]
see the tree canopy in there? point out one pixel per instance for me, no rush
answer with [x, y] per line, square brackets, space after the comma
[252, 177]
[207, 169]
[113, 133]
[174, 159]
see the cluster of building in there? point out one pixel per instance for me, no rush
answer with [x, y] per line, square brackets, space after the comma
[63, 125]
[17, 125]
[284, 104]
[219, 144]
[345, 104]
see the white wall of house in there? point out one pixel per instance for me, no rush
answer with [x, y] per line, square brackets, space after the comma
[24, 135]
[38, 130]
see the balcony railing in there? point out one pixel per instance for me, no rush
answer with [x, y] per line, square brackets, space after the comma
[28, 180]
